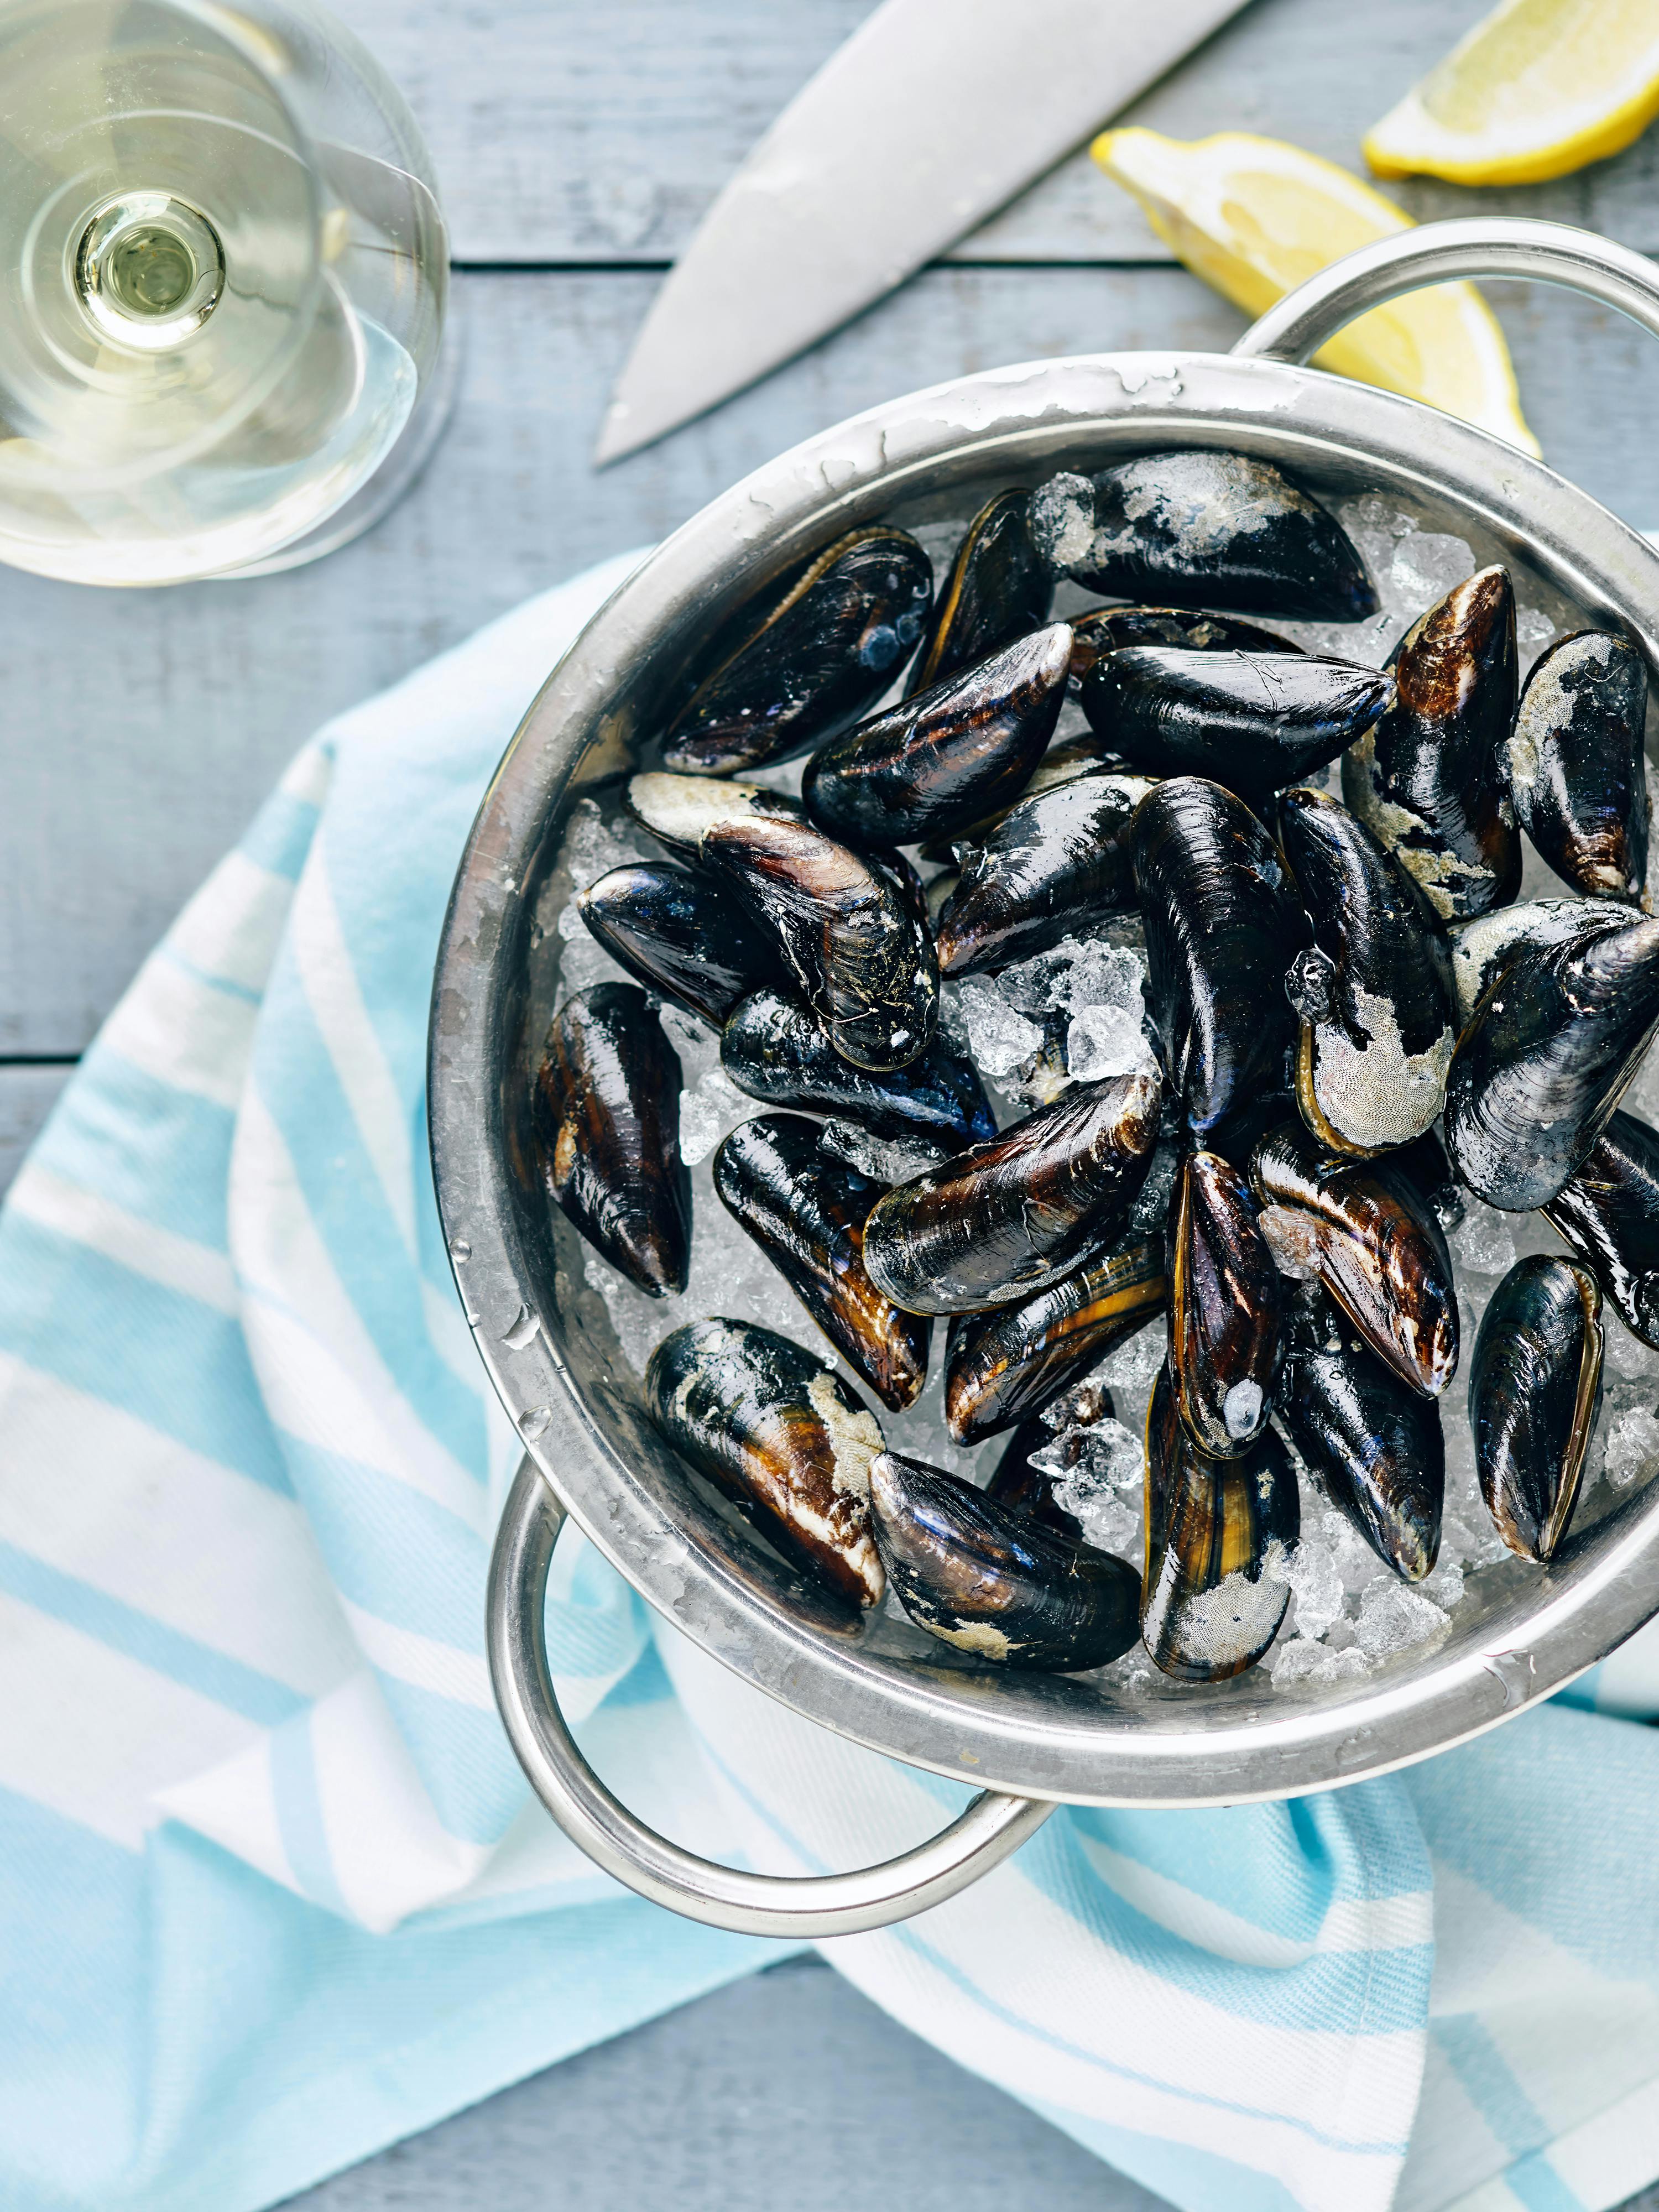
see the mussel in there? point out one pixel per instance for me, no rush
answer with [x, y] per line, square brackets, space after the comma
[987, 1578]
[1371, 992]
[805, 657]
[1210, 1601]
[806, 1208]
[1221, 930]
[953, 753]
[1202, 529]
[1481, 947]
[1374, 1442]
[1535, 1391]
[1012, 1361]
[1428, 778]
[852, 934]
[997, 589]
[1578, 772]
[776, 1050]
[1370, 1237]
[1022, 1209]
[777, 1430]
[681, 934]
[605, 1109]
[678, 809]
[1547, 1052]
[1425, 1167]
[1104, 630]
[1225, 1303]
[1251, 721]
[1052, 866]
[1608, 1214]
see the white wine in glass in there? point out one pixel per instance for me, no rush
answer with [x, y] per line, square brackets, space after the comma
[222, 283]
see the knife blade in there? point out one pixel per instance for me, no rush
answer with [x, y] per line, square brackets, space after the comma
[932, 116]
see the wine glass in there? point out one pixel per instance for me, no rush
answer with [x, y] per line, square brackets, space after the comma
[223, 281]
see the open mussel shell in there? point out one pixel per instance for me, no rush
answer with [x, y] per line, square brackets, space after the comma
[1578, 772]
[1483, 946]
[1226, 1298]
[1609, 1215]
[1053, 865]
[774, 1050]
[1428, 778]
[677, 809]
[1211, 1604]
[1535, 1391]
[1202, 529]
[806, 1207]
[1540, 1066]
[957, 752]
[1105, 629]
[1021, 1210]
[1372, 1238]
[780, 1432]
[988, 1579]
[1375, 1443]
[997, 589]
[1373, 991]
[854, 936]
[681, 934]
[606, 1113]
[1251, 721]
[1012, 1361]
[1222, 929]
[806, 657]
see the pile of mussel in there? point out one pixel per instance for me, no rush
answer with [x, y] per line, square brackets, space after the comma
[1354, 1024]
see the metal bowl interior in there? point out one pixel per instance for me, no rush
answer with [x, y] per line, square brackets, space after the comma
[1520, 1633]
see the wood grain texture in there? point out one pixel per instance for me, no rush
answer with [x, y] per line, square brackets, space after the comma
[567, 132]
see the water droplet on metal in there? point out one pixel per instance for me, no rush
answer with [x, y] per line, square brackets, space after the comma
[525, 1325]
[1514, 1672]
[532, 1422]
[460, 1249]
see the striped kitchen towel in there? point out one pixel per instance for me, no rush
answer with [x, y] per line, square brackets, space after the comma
[271, 1890]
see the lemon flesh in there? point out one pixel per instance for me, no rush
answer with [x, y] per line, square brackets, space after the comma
[1536, 90]
[1256, 217]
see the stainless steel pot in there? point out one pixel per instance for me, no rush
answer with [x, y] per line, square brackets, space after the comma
[1032, 1741]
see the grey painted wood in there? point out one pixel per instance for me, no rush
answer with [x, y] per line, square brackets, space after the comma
[565, 132]
[787, 2089]
[26, 1095]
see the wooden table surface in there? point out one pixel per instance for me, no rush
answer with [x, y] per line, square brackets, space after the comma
[577, 143]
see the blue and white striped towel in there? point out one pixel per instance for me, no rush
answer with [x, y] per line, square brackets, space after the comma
[271, 1892]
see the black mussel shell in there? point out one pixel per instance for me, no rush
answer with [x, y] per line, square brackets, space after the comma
[806, 1207]
[1060, 764]
[1012, 1361]
[678, 809]
[1578, 772]
[997, 589]
[1372, 1238]
[1482, 948]
[1018, 1482]
[954, 753]
[1543, 1059]
[606, 1112]
[681, 934]
[1201, 529]
[1105, 629]
[774, 1050]
[1424, 1166]
[798, 664]
[1051, 867]
[1251, 721]
[1226, 1299]
[1210, 1605]
[1428, 778]
[851, 933]
[777, 1430]
[1609, 1217]
[1534, 1392]
[1021, 1210]
[986, 1578]
[1371, 1440]
[1373, 991]
[1222, 928]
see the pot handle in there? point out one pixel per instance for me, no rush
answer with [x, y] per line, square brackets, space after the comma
[1295, 327]
[980, 1837]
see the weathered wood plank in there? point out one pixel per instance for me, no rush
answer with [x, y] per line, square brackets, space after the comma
[131, 768]
[26, 1096]
[564, 133]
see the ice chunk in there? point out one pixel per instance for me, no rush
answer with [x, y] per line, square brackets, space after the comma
[1482, 1241]
[1393, 1616]
[999, 1037]
[1315, 1581]
[1626, 1355]
[884, 1159]
[1426, 563]
[1295, 1659]
[715, 1106]
[1086, 1462]
[1633, 1448]
[1105, 1040]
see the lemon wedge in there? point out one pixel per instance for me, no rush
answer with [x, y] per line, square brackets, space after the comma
[1255, 217]
[1536, 90]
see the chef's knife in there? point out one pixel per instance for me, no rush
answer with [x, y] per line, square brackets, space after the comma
[932, 116]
